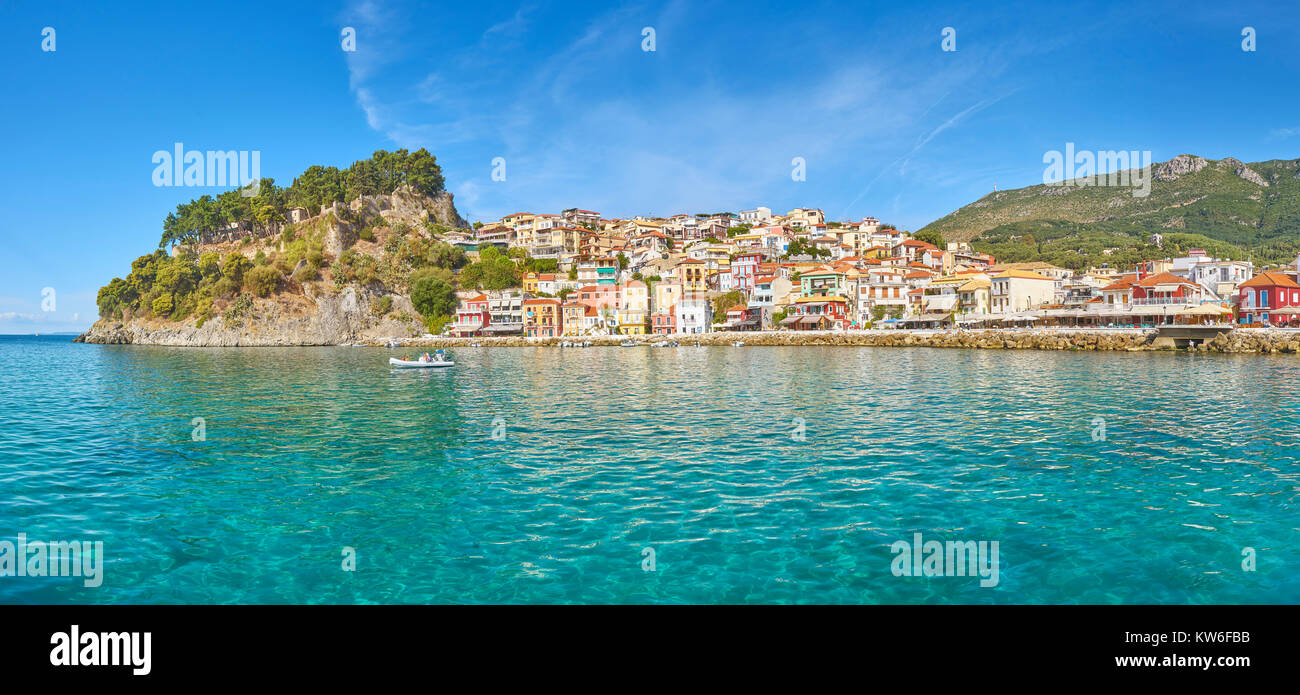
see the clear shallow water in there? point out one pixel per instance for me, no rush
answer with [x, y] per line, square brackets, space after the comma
[689, 451]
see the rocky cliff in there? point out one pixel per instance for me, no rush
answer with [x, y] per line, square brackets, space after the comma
[337, 319]
[326, 310]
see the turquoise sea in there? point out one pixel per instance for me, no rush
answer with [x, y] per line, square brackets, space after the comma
[696, 453]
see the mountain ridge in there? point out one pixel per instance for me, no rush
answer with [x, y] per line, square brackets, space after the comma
[1232, 208]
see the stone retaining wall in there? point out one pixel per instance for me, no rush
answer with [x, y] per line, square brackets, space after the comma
[999, 339]
[1250, 341]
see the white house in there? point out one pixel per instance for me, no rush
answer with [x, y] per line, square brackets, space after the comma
[694, 314]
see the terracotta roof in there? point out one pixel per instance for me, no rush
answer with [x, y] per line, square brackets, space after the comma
[1270, 278]
[1164, 279]
[1123, 283]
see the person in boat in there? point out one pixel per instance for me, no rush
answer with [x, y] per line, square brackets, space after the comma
[425, 358]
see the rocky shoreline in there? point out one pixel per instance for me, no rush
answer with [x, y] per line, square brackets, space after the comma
[1257, 341]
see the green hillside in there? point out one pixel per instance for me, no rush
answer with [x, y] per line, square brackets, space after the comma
[1232, 209]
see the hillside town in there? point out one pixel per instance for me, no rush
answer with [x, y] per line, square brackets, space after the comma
[759, 271]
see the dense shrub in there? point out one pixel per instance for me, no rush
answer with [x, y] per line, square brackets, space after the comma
[163, 305]
[263, 280]
[235, 266]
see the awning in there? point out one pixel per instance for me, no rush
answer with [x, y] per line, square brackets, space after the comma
[1216, 310]
[1148, 311]
[928, 318]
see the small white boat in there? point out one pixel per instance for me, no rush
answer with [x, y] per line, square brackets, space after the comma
[629, 343]
[419, 364]
[739, 343]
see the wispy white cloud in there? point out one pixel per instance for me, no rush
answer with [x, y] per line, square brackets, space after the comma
[597, 123]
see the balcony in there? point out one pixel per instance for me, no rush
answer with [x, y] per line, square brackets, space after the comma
[1163, 301]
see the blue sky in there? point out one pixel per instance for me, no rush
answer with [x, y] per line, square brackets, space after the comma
[889, 125]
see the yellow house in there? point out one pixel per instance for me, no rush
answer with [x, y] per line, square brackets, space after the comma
[634, 312]
[542, 318]
[692, 273]
[515, 219]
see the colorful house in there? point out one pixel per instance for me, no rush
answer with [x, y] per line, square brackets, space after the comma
[543, 318]
[1264, 295]
[1120, 292]
[572, 316]
[664, 323]
[817, 313]
[1164, 289]
[692, 273]
[472, 317]
[822, 282]
[530, 283]
[744, 269]
[634, 310]
[743, 318]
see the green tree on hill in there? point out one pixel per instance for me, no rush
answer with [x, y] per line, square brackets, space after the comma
[930, 236]
[431, 294]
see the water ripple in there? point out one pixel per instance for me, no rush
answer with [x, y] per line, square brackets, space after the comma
[772, 475]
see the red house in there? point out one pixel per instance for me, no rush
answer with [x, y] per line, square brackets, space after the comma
[1165, 288]
[743, 318]
[472, 317]
[817, 313]
[1266, 293]
[663, 323]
